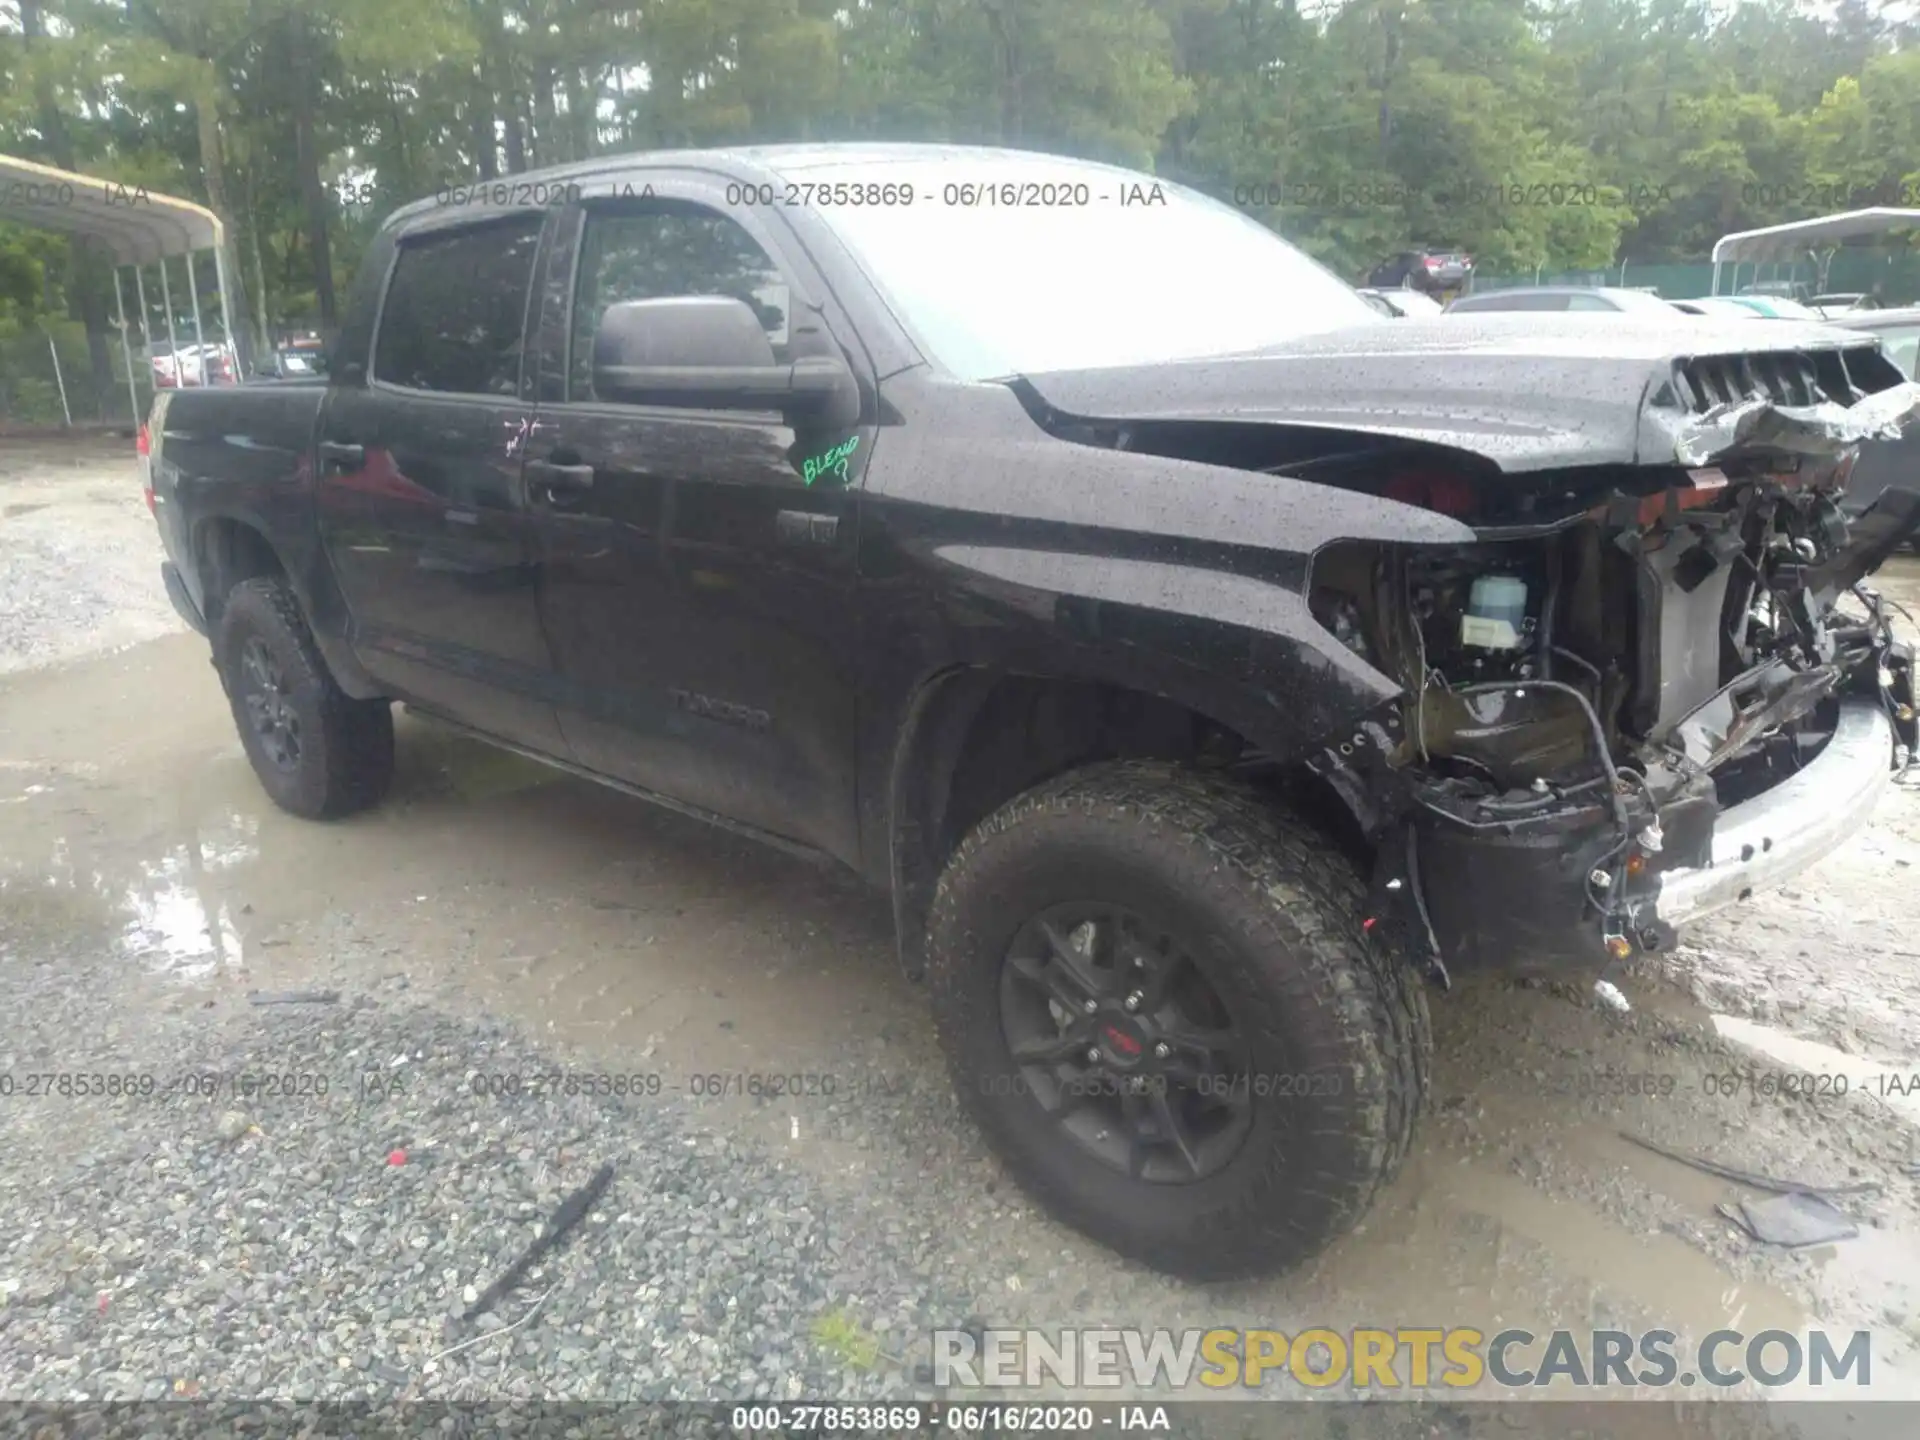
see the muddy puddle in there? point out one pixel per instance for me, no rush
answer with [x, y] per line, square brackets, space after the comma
[645, 942]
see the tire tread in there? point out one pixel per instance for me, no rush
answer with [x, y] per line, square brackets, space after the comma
[1308, 904]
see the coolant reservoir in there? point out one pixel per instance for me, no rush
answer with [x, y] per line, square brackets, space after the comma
[1496, 609]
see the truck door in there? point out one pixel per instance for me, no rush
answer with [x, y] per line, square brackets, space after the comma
[423, 506]
[699, 577]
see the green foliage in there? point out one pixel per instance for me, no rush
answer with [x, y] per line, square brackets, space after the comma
[1550, 134]
[839, 1333]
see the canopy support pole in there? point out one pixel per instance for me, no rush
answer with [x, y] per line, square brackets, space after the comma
[166, 299]
[199, 340]
[59, 380]
[146, 311]
[126, 348]
[226, 303]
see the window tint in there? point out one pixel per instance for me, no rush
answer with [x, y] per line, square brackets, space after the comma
[669, 249]
[456, 309]
[1590, 302]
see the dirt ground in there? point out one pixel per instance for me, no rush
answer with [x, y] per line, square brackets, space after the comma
[130, 823]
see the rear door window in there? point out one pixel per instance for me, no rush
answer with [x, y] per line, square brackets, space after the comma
[456, 310]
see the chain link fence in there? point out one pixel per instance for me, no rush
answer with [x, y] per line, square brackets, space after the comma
[30, 383]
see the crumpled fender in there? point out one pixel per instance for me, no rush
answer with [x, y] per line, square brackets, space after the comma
[1822, 429]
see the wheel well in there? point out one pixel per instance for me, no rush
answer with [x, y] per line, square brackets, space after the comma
[227, 552]
[980, 738]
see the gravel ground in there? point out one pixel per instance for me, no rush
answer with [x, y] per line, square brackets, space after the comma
[79, 556]
[242, 1244]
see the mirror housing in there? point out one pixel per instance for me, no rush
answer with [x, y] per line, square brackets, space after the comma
[710, 351]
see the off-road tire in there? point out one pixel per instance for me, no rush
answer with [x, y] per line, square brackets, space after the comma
[1270, 912]
[346, 752]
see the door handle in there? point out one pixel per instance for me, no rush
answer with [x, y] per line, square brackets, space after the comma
[553, 479]
[805, 527]
[349, 457]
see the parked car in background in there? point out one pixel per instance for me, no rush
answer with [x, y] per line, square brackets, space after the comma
[1843, 302]
[1564, 298]
[1765, 307]
[1899, 332]
[1719, 306]
[299, 359]
[1401, 303]
[1423, 268]
[1884, 462]
[210, 364]
[1778, 289]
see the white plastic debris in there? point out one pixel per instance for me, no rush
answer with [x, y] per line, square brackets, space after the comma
[1608, 994]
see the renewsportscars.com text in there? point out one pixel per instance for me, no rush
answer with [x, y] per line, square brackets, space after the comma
[1457, 1357]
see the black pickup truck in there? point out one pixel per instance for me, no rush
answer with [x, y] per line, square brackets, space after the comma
[1208, 667]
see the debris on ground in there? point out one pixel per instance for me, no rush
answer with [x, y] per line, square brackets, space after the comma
[295, 997]
[1749, 1177]
[1795, 1220]
[572, 1210]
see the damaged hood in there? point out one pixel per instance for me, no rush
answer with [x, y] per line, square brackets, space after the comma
[1823, 428]
[1524, 391]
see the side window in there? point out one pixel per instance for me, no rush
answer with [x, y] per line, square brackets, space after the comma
[1589, 302]
[456, 310]
[669, 248]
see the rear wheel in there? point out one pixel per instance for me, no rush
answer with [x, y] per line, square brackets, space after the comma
[1157, 1000]
[318, 752]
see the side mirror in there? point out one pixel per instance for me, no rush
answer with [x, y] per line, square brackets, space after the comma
[710, 351]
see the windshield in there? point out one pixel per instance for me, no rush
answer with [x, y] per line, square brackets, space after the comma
[992, 289]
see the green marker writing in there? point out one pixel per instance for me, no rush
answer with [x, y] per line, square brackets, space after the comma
[834, 460]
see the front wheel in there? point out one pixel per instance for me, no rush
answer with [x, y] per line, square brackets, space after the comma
[1156, 999]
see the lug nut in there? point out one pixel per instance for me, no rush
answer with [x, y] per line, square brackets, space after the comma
[1093, 1055]
[1133, 1000]
[1091, 1006]
[1162, 1050]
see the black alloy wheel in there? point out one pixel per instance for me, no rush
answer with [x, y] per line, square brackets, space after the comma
[263, 690]
[1125, 1044]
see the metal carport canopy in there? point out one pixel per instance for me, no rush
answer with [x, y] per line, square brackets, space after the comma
[1781, 242]
[135, 225]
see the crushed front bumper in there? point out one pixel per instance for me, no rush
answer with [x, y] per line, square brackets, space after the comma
[1519, 897]
[1765, 841]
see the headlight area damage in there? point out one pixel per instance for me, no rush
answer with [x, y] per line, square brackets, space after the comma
[1645, 691]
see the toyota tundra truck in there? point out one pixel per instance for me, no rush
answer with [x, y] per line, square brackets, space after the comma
[1210, 669]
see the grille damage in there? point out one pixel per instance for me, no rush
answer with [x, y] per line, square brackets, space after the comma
[1786, 378]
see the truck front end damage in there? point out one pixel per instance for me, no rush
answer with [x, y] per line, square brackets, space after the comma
[1646, 690]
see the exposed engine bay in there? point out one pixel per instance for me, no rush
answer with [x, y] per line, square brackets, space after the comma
[1653, 679]
[1585, 695]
